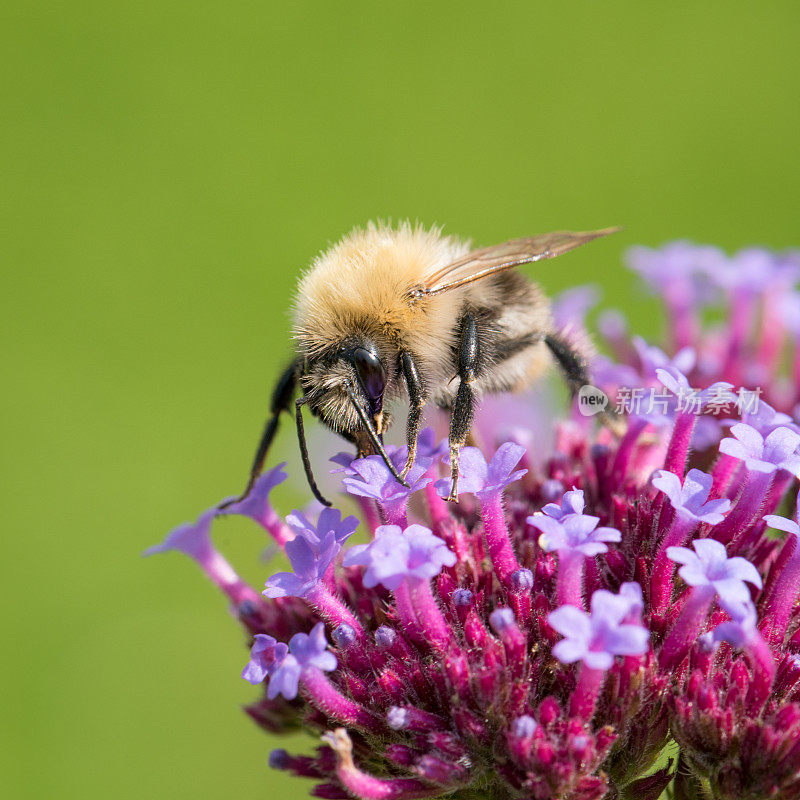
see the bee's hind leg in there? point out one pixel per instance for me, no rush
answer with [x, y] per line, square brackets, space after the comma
[463, 413]
[576, 374]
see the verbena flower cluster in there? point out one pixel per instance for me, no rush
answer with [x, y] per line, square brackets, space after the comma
[580, 614]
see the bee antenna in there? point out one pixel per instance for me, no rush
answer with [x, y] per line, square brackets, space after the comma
[301, 438]
[373, 436]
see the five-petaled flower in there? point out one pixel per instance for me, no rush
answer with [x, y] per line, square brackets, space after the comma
[396, 556]
[597, 637]
[306, 651]
[709, 566]
[776, 450]
[573, 533]
[690, 500]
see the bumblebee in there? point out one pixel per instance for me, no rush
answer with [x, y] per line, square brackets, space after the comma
[409, 312]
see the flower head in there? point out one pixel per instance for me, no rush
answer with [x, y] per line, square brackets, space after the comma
[571, 503]
[256, 505]
[265, 656]
[397, 555]
[710, 566]
[310, 558]
[329, 521]
[305, 651]
[597, 637]
[574, 532]
[778, 450]
[690, 500]
[443, 665]
[484, 478]
[373, 480]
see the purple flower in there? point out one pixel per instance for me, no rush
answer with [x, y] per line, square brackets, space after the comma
[752, 270]
[777, 451]
[765, 419]
[783, 524]
[345, 461]
[485, 479]
[306, 651]
[576, 533]
[680, 270]
[524, 727]
[690, 501]
[715, 397]
[329, 521]
[596, 638]
[572, 305]
[256, 505]
[741, 630]
[428, 448]
[396, 556]
[571, 503]
[653, 358]
[192, 538]
[709, 565]
[631, 593]
[310, 560]
[265, 656]
[374, 480]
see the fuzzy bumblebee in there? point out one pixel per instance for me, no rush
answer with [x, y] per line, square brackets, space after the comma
[388, 312]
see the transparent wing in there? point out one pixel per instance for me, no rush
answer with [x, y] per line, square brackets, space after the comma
[490, 260]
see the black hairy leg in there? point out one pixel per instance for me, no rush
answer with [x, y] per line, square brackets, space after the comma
[281, 401]
[576, 374]
[416, 397]
[469, 362]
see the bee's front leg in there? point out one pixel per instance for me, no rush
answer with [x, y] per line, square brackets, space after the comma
[464, 407]
[416, 397]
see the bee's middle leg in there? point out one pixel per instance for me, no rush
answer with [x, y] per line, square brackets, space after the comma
[464, 406]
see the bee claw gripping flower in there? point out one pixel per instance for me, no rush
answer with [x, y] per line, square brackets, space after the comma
[552, 634]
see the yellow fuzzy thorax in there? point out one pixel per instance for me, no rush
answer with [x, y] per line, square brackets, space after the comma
[362, 284]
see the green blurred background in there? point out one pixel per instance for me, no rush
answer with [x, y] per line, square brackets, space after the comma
[168, 167]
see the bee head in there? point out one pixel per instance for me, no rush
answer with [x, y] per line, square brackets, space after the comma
[346, 389]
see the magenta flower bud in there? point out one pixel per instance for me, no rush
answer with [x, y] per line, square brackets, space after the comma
[552, 490]
[385, 636]
[279, 759]
[462, 597]
[522, 580]
[344, 636]
[523, 727]
[397, 718]
[501, 618]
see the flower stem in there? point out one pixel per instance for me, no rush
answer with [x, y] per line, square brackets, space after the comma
[783, 595]
[433, 625]
[747, 509]
[498, 541]
[332, 609]
[395, 512]
[681, 439]
[584, 698]
[763, 674]
[686, 628]
[569, 587]
[661, 582]
[325, 696]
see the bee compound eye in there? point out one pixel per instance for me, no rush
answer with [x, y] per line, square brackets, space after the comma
[370, 372]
